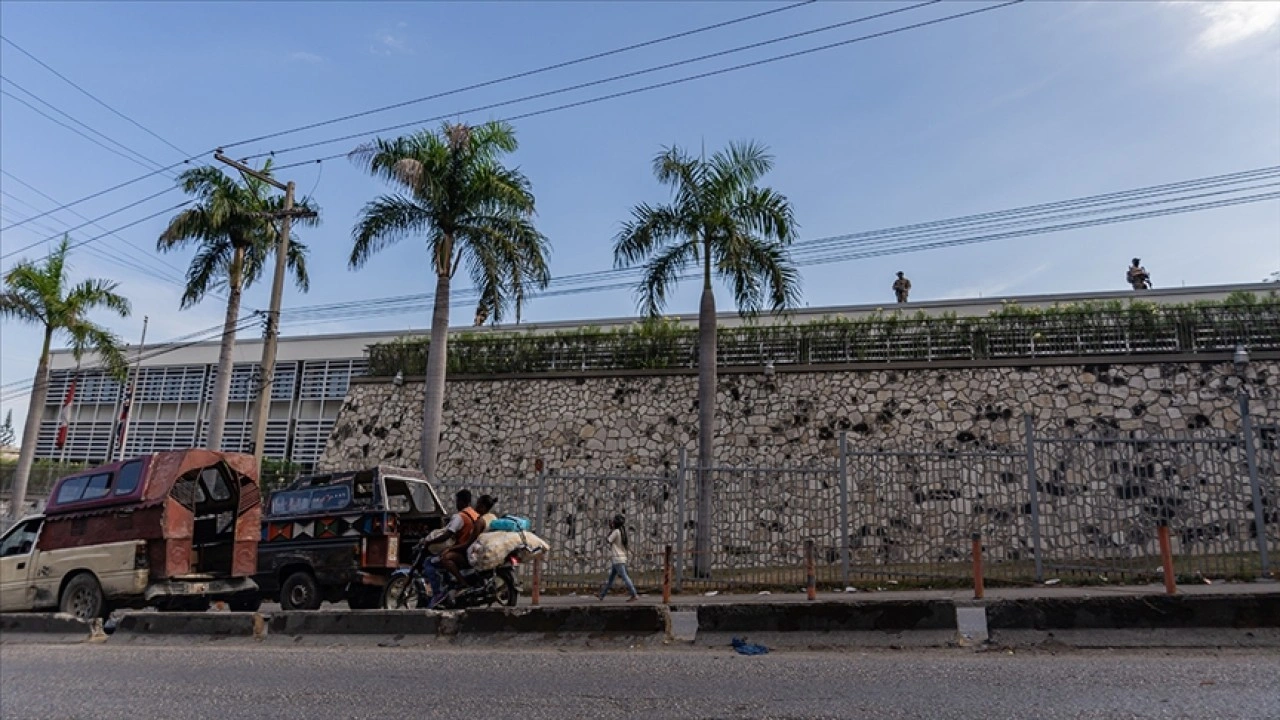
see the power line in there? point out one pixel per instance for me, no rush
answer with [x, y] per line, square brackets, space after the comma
[158, 258]
[520, 75]
[91, 96]
[100, 193]
[56, 121]
[657, 68]
[909, 238]
[90, 222]
[149, 163]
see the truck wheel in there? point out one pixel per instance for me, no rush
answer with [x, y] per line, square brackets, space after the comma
[300, 591]
[82, 597]
[248, 602]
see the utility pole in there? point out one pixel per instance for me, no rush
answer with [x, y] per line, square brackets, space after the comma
[262, 409]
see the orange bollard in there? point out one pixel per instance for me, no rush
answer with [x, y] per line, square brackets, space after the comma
[811, 580]
[978, 581]
[537, 580]
[1166, 558]
[666, 576]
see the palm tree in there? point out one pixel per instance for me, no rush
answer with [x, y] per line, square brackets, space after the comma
[739, 232]
[235, 235]
[454, 191]
[42, 294]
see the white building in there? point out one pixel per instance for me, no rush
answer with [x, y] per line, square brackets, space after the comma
[171, 407]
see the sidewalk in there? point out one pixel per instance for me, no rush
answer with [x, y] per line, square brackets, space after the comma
[953, 594]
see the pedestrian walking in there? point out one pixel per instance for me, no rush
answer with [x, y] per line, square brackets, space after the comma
[617, 542]
[901, 287]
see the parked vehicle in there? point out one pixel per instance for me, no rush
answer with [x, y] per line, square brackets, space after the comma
[408, 586]
[175, 530]
[338, 536]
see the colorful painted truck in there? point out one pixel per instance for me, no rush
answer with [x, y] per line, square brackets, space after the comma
[340, 536]
[174, 530]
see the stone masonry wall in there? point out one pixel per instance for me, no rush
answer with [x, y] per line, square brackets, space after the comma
[500, 427]
[611, 444]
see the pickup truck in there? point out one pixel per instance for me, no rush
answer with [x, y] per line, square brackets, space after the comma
[173, 530]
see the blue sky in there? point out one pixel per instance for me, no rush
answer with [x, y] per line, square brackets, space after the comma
[1034, 103]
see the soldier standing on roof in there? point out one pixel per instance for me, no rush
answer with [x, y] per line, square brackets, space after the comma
[901, 287]
[1137, 276]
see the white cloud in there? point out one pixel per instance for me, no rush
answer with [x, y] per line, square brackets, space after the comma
[391, 42]
[1227, 23]
[305, 57]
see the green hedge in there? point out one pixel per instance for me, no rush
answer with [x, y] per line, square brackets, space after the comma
[1081, 329]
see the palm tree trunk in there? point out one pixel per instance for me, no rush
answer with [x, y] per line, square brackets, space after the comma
[437, 357]
[35, 411]
[706, 419]
[222, 379]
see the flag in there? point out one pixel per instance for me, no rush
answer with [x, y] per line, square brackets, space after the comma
[64, 415]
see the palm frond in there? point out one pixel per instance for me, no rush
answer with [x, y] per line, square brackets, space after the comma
[649, 228]
[384, 222]
[661, 274]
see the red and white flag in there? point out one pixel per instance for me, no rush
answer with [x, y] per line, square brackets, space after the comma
[64, 415]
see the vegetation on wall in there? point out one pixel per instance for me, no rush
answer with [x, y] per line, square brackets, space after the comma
[1013, 331]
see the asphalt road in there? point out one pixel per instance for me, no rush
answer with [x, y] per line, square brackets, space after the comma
[207, 679]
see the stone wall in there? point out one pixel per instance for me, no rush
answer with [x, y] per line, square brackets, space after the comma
[500, 427]
[611, 445]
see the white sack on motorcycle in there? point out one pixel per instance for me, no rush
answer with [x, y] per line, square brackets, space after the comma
[492, 548]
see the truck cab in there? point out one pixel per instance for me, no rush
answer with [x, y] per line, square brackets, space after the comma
[174, 530]
[339, 536]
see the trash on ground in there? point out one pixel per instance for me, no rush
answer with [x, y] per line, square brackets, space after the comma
[745, 648]
[1054, 581]
[851, 589]
[712, 593]
[764, 592]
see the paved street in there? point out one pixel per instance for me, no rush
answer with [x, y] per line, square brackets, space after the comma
[222, 680]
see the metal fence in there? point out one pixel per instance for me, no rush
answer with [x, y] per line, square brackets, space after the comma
[1080, 509]
[1074, 331]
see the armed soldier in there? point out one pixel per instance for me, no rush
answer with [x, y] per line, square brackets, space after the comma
[901, 287]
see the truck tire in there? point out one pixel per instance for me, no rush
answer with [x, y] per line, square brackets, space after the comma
[83, 598]
[300, 591]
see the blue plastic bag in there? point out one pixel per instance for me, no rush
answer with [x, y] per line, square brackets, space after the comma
[510, 523]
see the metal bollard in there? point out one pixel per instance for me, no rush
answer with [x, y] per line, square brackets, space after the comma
[811, 580]
[1166, 558]
[666, 576]
[978, 580]
[537, 580]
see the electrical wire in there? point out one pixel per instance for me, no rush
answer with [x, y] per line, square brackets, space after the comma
[519, 75]
[166, 191]
[622, 76]
[145, 161]
[91, 96]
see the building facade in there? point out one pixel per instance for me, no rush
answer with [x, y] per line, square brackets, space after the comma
[175, 385]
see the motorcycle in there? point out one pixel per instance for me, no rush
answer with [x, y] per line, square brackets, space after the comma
[408, 587]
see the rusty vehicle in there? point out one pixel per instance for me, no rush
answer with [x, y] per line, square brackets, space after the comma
[339, 536]
[174, 530]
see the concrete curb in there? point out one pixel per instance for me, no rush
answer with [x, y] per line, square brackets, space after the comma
[1136, 612]
[894, 624]
[210, 625]
[355, 622]
[635, 620]
[46, 627]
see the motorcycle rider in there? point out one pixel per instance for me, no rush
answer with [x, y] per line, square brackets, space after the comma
[460, 528]
[454, 559]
